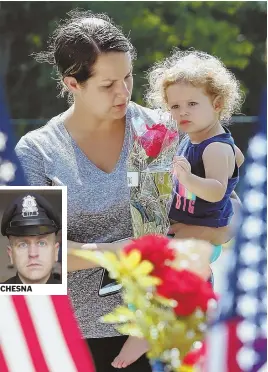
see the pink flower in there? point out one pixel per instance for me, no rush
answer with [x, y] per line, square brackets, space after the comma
[156, 139]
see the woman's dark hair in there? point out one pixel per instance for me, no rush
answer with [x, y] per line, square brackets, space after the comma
[78, 40]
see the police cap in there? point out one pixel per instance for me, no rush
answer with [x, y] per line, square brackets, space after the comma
[29, 215]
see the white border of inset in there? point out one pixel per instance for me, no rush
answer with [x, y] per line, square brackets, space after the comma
[45, 289]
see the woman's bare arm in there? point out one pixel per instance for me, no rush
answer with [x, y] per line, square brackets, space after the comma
[75, 263]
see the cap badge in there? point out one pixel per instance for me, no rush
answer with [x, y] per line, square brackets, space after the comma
[29, 207]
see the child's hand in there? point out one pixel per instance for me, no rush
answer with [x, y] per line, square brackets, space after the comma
[181, 168]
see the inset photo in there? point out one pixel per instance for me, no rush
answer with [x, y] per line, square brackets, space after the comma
[33, 240]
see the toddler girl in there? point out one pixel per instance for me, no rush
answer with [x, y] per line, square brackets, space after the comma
[201, 94]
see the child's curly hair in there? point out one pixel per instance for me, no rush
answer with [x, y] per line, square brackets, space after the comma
[201, 70]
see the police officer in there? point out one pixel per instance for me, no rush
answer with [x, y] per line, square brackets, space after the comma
[31, 225]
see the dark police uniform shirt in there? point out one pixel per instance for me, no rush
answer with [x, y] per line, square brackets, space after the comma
[16, 280]
[186, 207]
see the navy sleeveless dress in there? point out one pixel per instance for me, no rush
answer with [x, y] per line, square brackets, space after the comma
[189, 209]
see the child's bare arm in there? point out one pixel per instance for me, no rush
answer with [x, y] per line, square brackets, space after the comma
[239, 157]
[235, 197]
[218, 159]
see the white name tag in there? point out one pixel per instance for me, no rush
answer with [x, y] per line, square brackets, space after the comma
[133, 179]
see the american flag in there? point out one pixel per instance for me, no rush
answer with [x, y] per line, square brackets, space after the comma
[37, 333]
[237, 340]
[10, 170]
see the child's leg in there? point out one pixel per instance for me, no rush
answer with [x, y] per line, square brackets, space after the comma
[132, 350]
[198, 253]
[213, 235]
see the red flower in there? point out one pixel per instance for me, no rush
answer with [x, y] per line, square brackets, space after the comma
[194, 356]
[153, 248]
[187, 288]
[156, 138]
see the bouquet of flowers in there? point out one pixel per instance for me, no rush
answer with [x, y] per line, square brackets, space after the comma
[150, 160]
[166, 295]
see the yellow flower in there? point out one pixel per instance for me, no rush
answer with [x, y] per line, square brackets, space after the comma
[186, 368]
[129, 261]
[133, 267]
[145, 313]
[107, 259]
[122, 266]
[120, 315]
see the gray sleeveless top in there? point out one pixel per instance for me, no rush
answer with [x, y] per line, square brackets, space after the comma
[98, 205]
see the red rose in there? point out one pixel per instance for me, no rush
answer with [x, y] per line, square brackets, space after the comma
[153, 248]
[156, 138]
[187, 288]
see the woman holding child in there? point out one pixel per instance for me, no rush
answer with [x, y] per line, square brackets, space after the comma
[86, 148]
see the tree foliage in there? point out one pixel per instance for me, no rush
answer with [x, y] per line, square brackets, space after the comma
[233, 31]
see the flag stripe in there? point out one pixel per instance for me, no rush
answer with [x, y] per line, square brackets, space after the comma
[77, 346]
[234, 345]
[49, 333]
[30, 334]
[241, 303]
[217, 346]
[14, 347]
[3, 365]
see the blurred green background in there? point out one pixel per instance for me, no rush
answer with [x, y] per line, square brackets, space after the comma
[235, 31]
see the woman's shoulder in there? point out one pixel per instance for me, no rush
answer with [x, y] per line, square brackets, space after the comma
[45, 136]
